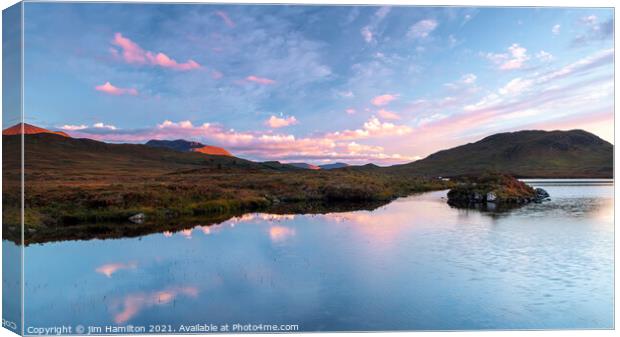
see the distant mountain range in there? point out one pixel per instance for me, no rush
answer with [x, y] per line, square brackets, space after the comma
[525, 154]
[189, 146]
[333, 166]
[536, 154]
[305, 166]
[319, 167]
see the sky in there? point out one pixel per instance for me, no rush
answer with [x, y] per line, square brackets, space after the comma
[316, 84]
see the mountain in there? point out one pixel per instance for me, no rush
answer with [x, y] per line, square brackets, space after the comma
[86, 157]
[189, 146]
[333, 166]
[319, 167]
[524, 154]
[305, 166]
[29, 130]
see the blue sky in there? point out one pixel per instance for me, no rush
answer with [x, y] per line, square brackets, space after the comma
[317, 83]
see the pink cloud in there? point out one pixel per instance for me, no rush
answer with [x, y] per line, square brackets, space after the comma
[385, 114]
[227, 20]
[133, 53]
[343, 145]
[383, 99]
[163, 60]
[260, 80]
[279, 122]
[373, 128]
[350, 111]
[108, 88]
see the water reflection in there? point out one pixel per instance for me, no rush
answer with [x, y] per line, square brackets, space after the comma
[132, 304]
[280, 233]
[413, 264]
[111, 268]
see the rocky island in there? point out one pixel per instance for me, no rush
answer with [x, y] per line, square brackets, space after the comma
[491, 190]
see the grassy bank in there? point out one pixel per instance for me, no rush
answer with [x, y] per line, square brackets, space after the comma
[58, 207]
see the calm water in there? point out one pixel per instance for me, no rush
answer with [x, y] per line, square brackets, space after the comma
[415, 263]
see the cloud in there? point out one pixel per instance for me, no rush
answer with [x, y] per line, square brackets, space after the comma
[390, 115]
[133, 53]
[70, 127]
[350, 111]
[224, 16]
[108, 88]
[260, 80]
[269, 145]
[104, 126]
[366, 34]
[592, 61]
[515, 58]
[469, 78]
[279, 122]
[368, 31]
[421, 29]
[594, 30]
[373, 128]
[544, 56]
[345, 94]
[382, 12]
[516, 86]
[383, 99]
[555, 29]
[163, 60]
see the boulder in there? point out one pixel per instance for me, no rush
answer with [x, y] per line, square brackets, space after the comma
[477, 197]
[541, 195]
[137, 218]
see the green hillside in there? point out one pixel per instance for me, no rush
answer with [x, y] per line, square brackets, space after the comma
[534, 154]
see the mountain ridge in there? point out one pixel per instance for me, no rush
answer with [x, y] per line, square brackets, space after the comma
[189, 146]
[524, 154]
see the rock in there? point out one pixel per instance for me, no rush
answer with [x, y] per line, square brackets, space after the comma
[137, 218]
[491, 190]
[477, 197]
[541, 195]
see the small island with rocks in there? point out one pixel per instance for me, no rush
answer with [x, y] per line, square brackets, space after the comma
[491, 190]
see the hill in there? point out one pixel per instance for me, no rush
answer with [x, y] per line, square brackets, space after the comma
[333, 166]
[48, 153]
[189, 146]
[524, 154]
[29, 129]
[305, 166]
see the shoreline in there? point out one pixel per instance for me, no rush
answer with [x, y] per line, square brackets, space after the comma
[103, 210]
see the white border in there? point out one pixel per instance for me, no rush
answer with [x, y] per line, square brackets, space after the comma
[479, 3]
